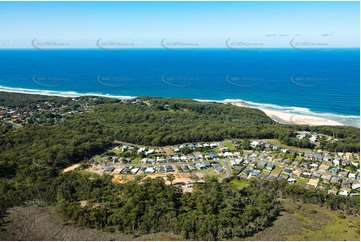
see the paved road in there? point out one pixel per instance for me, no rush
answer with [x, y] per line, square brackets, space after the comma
[228, 169]
[225, 165]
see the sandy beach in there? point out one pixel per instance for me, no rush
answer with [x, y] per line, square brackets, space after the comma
[293, 118]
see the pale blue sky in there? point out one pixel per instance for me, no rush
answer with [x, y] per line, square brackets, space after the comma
[208, 23]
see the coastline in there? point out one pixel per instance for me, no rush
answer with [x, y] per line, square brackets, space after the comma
[285, 115]
[66, 94]
[294, 118]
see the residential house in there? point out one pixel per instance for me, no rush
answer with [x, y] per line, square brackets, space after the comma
[141, 149]
[286, 162]
[246, 172]
[161, 169]
[287, 171]
[297, 172]
[191, 167]
[309, 156]
[261, 164]
[219, 169]
[352, 175]
[348, 155]
[213, 145]
[336, 161]
[254, 144]
[343, 192]
[198, 156]
[253, 163]
[291, 180]
[169, 168]
[331, 191]
[270, 166]
[326, 177]
[318, 157]
[334, 170]
[126, 170]
[200, 166]
[207, 164]
[355, 185]
[191, 157]
[109, 169]
[238, 168]
[213, 155]
[185, 168]
[254, 155]
[199, 146]
[134, 170]
[285, 151]
[346, 182]
[335, 179]
[327, 158]
[149, 170]
[183, 158]
[224, 149]
[316, 175]
[151, 160]
[228, 154]
[313, 138]
[255, 172]
[344, 174]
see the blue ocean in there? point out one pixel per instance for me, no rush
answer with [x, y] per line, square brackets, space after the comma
[324, 82]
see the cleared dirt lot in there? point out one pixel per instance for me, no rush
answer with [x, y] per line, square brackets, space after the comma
[70, 168]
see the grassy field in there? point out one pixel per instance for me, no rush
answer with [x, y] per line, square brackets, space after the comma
[311, 222]
[301, 181]
[227, 144]
[135, 161]
[240, 183]
[276, 171]
[278, 143]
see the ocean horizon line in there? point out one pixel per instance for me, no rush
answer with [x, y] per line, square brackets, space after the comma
[181, 48]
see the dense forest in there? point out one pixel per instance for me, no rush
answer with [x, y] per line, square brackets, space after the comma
[31, 158]
[213, 211]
